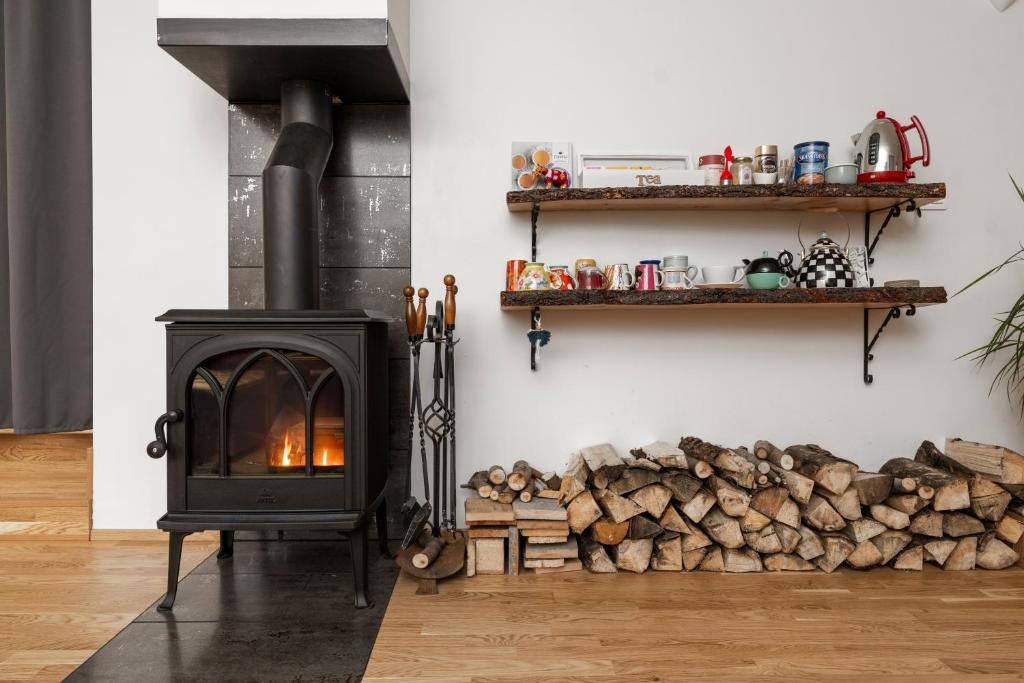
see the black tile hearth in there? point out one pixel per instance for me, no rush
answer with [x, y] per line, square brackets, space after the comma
[276, 611]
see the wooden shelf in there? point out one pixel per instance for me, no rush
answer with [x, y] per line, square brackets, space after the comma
[867, 197]
[856, 297]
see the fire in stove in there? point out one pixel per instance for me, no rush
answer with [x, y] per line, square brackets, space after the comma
[328, 446]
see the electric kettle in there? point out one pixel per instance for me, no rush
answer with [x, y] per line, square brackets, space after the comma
[883, 154]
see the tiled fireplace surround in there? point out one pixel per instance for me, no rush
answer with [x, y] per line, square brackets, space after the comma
[365, 225]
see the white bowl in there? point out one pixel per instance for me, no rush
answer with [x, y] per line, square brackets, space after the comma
[765, 178]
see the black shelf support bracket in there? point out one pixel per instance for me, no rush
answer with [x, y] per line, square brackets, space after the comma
[894, 211]
[535, 326]
[869, 343]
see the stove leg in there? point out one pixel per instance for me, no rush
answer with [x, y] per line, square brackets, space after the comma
[173, 565]
[382, 529]
[227, 545]
[358, 540]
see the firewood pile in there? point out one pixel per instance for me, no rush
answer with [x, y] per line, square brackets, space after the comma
[700, 506]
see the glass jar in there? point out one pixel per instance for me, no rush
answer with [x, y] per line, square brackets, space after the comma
[712, 165]
[742, 170]
[766, 159]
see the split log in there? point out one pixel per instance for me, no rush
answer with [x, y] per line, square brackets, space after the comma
[604, 463]
[847, 503]
[741, 561]
[634, 555]
[526, 495]
[927, 523]
[989, 500]
[699, 506]
[926, 492]
[860, 530]
[520, 475]
[732, 500]
[695, 541]
[811, 545]
[904, 485]
[891, 543]
[996, 462]
[866, 554]
[609, 532]
[789, 537]
[673, 521]
[827, 471]
[939, 551]
[964, 555]
[872, 488]
[699, 468]
[723, 529]
[653, 498]
[800, 487]
[582, 512]
[503, 494]
[618, 508]
[574, 481]
[496, 475]
[929, 454]
[753, 521]
[668, 555]
[760, 466]
[781, 562]
[713, 561]
[766, 450]
[908, 503]
[693, 558]
[479, 483]
[774, 503]
[996, 555]
[595, 558]
[664, 454]
[633, 462]
[837, 549]
[633, 479]
[894, 519]
[642, 527]
[821, 515]
[700, 449]
[551, 480]
[951, 491]
[911, 559]
[683, 486]
[957, 524]
[429, 553]
[1011, 528]
[765, 541]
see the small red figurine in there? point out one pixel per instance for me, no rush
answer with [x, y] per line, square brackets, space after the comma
[556, 177]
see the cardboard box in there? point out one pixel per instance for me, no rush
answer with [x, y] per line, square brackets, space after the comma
[639, 178]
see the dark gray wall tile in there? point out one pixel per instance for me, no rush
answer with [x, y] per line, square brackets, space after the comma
[245, 287]
[398, 378]
[377, 289]
[369, 140]
[245, 221]
[365, 223]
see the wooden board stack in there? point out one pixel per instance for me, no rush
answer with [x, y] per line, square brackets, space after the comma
[549, 546]
[701, 506]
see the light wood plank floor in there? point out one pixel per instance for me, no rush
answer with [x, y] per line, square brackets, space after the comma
[61, 601]
[660, 626]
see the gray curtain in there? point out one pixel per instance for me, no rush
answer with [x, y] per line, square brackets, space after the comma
[46, 217]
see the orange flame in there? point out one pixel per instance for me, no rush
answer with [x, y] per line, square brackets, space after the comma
[324, 458]
[287, 452]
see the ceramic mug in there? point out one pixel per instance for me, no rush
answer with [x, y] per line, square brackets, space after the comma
[618, 277]
[677, 278]
[560, 278]
[648, 277]
[767, 280]
[681, 261]
[723, 275]
[582, 264]
[534, 277]
[590, 278]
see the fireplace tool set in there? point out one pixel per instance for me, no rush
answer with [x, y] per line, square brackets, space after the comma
[432, 547]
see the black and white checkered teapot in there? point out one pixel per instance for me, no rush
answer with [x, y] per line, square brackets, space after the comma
[825, 264]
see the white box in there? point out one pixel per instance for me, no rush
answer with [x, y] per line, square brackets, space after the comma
[626, 178]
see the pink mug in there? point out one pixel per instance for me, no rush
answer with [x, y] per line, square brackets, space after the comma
[648, 277]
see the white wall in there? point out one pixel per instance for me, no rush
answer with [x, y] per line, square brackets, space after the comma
[667, 75]
[160, 241]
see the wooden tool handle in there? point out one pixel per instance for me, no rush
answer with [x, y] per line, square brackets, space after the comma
[449, 300]
[421, 311]
[410, 311]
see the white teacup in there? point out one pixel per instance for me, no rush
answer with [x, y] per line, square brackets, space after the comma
[723, 275]
[678, 278]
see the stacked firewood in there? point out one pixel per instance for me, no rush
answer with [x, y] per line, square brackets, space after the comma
[522, 482]
[701, 506]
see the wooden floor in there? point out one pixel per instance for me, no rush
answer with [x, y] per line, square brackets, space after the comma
[61, 601]
[587, 628]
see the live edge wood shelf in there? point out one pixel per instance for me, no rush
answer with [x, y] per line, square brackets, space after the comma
[893, 199]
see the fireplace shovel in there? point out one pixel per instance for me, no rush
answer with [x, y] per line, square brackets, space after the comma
[416, 515]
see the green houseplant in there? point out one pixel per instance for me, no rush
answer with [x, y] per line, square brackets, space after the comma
[1007, 342]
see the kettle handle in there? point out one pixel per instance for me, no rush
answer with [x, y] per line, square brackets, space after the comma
[926, 152]
[803, 249]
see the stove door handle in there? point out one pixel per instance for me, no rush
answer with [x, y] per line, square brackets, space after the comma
[158, 448]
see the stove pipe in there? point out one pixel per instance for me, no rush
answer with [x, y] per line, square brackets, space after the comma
[291, 206]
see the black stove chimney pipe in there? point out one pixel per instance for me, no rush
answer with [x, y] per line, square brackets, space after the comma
[291, 206]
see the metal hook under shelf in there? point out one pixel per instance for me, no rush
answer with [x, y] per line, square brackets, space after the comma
[892, 314]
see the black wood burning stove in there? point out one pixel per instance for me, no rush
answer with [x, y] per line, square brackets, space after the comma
[278, 419]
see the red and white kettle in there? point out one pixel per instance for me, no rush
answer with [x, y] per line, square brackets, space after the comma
[883, 154]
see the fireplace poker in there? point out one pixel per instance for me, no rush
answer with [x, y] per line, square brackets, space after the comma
[415, 322]
[436, 416]
[449, 310]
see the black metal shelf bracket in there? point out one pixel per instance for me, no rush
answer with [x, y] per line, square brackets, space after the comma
[536, 336]
[894, 211]
[869, 344]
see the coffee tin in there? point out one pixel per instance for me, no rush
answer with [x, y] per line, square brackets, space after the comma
[809, 162]
[766, 159]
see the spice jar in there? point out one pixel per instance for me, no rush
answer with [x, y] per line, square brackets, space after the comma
[742, 170]
[766, 159]
[712, 165]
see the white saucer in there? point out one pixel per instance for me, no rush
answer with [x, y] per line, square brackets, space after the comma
[722, 285]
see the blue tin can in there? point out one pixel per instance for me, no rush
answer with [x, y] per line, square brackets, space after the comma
[809, 162]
